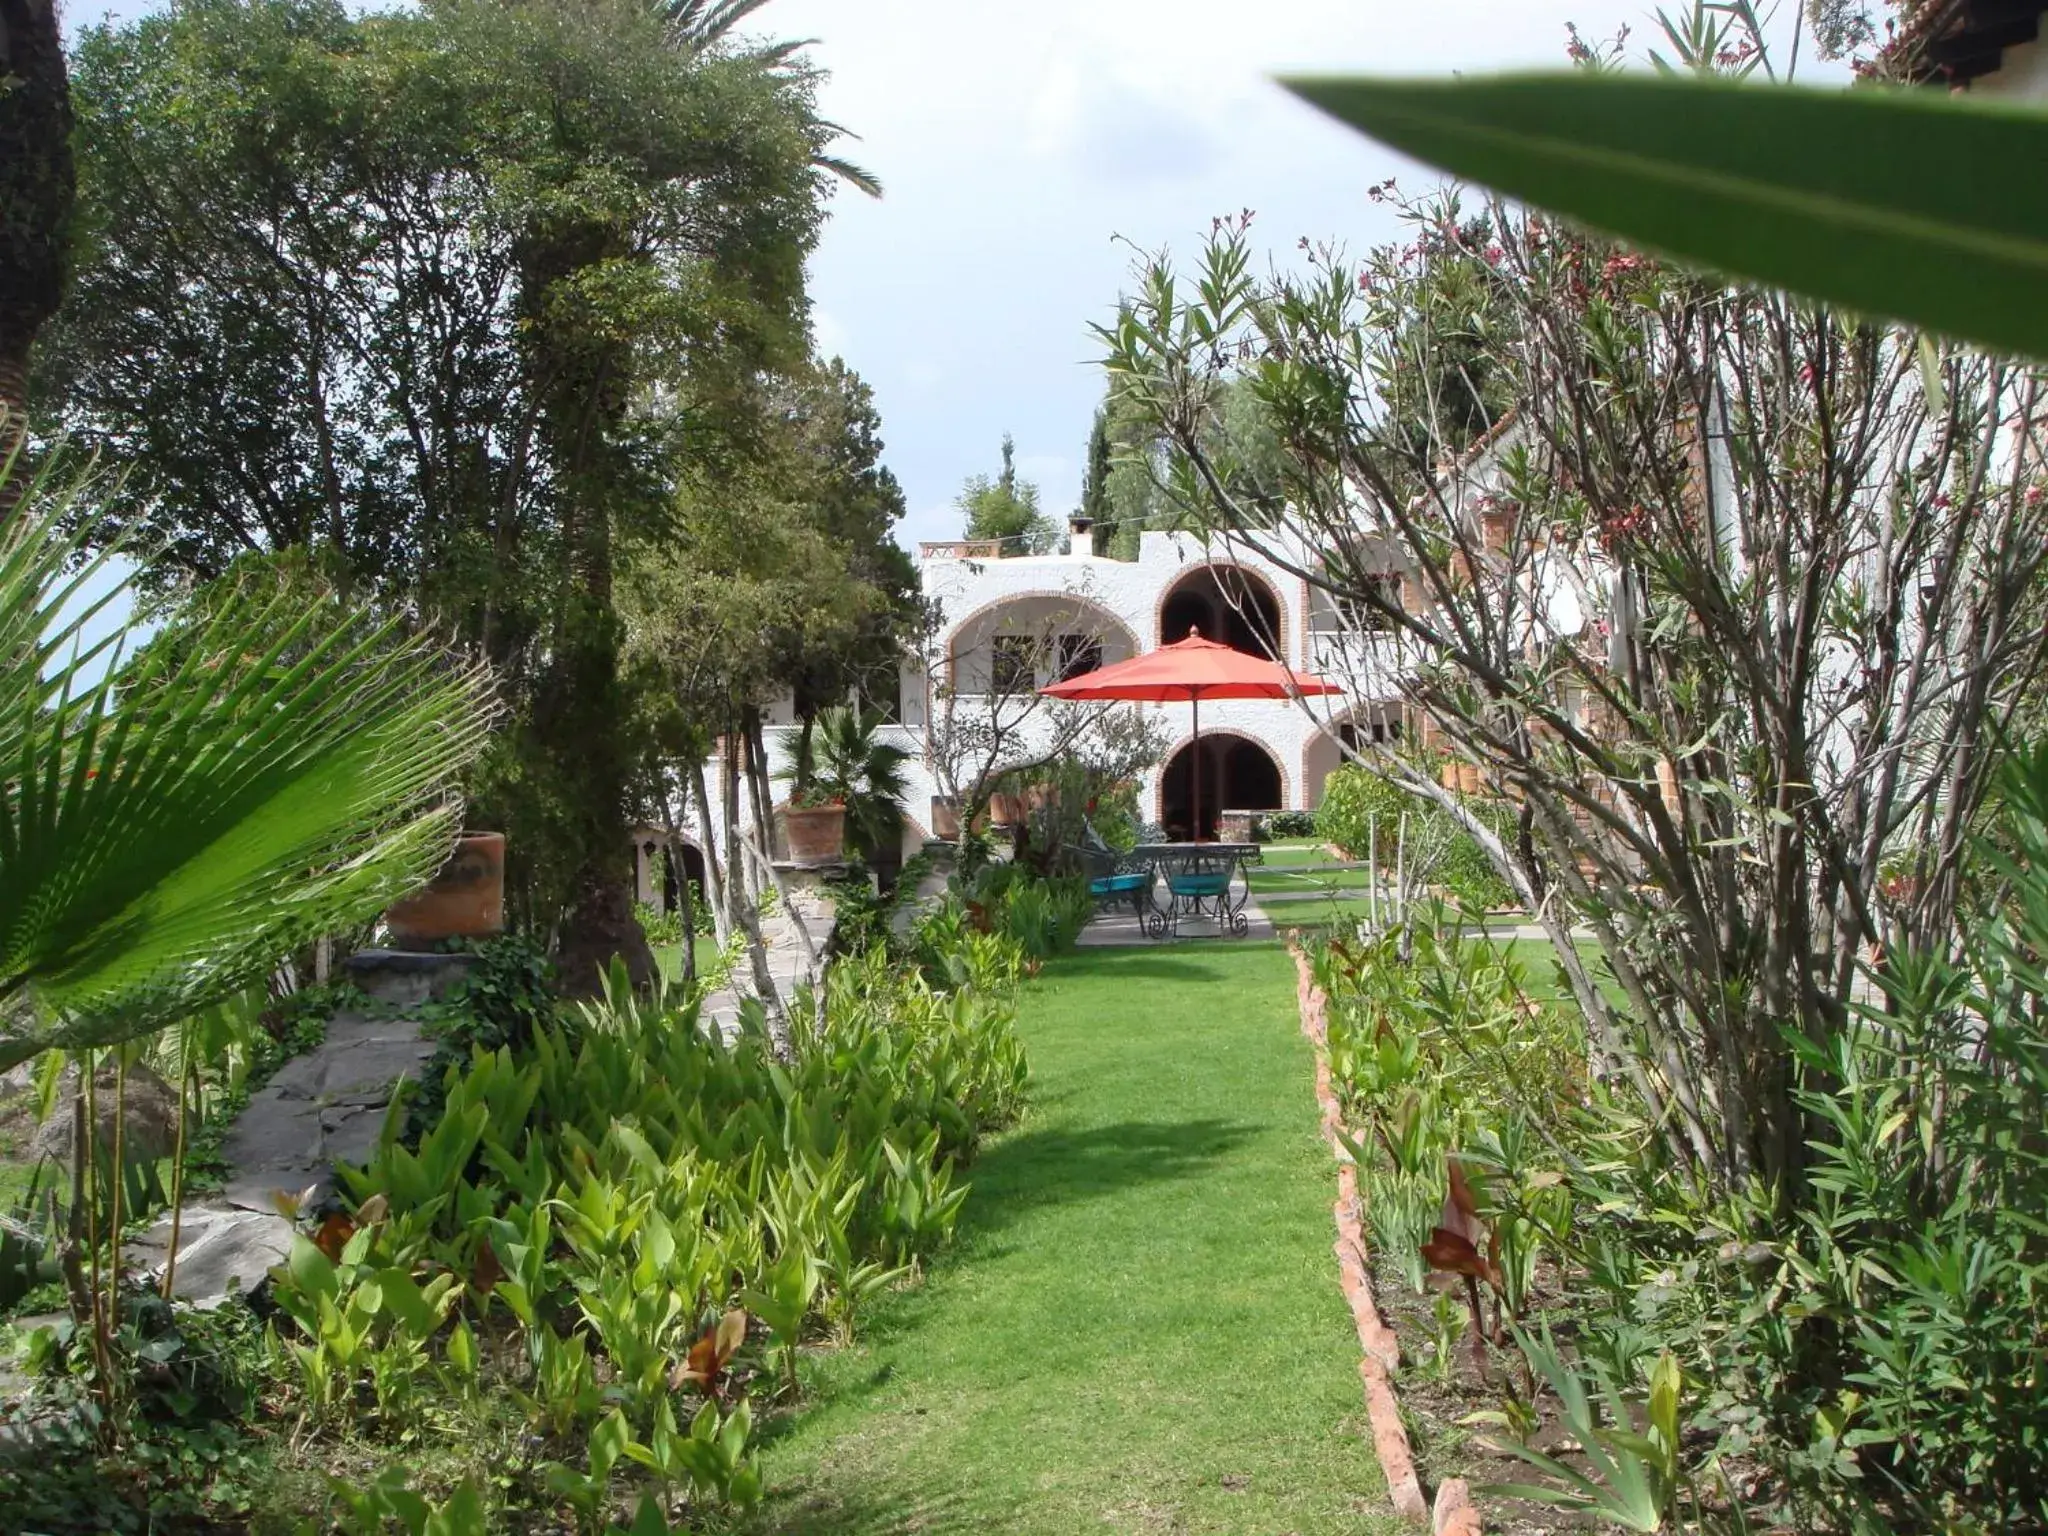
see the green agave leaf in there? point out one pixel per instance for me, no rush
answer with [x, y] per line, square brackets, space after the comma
[1911, 205]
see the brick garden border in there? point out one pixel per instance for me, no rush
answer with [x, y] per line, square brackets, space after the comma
[1380, 1352]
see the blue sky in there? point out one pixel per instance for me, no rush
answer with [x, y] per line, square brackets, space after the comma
[1018, 142]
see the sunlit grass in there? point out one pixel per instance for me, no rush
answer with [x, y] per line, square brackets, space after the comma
[1140, 1328]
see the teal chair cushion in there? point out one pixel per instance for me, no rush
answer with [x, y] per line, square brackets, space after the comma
[1201, 886]
[1118, 885]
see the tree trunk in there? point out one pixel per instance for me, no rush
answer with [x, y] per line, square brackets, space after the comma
[38, 186]
[758, 797]
[686, 906]
[715, 881]
[599, 925]
[739, 884]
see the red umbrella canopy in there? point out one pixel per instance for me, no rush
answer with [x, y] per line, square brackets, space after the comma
[1192, 669]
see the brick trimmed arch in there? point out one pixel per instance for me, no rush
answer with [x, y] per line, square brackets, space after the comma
[1256, 579]
[1321, 756]
[1232, 734]
[1095, 607]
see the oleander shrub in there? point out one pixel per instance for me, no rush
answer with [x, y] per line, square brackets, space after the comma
[1865, 1353]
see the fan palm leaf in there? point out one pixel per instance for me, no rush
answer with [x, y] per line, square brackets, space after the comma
[697, 25]
[272, 767]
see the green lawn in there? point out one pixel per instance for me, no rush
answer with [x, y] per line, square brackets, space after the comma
[1295, 850]
[1140, 1328]
[1307, 880]
[671, 957]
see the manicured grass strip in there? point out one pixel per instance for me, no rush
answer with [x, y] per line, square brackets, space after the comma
[1307, 880]
[1306, 850]
[670, 957]
[1139, 1329]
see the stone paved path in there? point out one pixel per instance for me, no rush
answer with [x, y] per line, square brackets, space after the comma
[786, 959]
[324, 1106]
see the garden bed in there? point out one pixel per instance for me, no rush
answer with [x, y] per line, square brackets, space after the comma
[1420, 1410]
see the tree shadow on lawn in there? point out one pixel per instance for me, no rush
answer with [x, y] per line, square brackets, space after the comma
[855, 1506]
[1174, 960]
[1057, 1165]
[1029, 1170]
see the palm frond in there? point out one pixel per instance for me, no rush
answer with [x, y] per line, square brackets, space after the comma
[702, 23]
[859, 179]
[269, 769]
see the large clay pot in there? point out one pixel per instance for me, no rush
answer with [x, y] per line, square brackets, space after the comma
[946, 818]
[816, 836]
[466, 900]
[1005, 810]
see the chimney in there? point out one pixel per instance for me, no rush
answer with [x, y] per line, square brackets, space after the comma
[1080, 535]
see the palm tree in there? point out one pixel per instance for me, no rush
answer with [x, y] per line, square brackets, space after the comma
[38, 184]
[841, 756]
[272, 767]
[701, 24]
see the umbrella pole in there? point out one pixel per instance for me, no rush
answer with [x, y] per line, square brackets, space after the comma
[1195, 833]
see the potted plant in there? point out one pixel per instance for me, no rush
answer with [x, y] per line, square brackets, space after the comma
[465, 900]
[815, 823]
[846, 787]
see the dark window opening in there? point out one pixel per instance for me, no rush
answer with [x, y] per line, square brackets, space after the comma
[1223, 604]
[1076, 656]
[1237, 775]
[1009, 665]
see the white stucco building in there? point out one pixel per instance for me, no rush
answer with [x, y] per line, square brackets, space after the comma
[1008, 626]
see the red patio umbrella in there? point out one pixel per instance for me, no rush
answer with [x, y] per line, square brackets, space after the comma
[1193, 669]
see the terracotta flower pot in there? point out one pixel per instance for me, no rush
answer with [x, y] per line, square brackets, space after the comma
[1005, 810]
[946, 818]
[466, 900]
[816, 835]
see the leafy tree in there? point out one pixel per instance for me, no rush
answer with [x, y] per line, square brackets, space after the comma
[1749, 744]
[453, 298]
[1136, 491]
[853, 500]
[38, 185]
[1006, 508]
[1095, 479]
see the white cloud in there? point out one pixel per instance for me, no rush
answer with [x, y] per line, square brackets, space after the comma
[1015, 142]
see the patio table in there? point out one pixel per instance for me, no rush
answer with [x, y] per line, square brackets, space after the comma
[1203, 880]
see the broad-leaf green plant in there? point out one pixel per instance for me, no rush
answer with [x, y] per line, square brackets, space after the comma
[1898, 204]
[273, 766]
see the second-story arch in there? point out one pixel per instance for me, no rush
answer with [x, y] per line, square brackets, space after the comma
[1225, 602]
[1022, 641]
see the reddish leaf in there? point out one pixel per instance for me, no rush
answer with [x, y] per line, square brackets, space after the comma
[333, 1235]
[1456, 1245]
[1453, 1253]
[1461, 1192]
[704, 1367]
[487, 1271]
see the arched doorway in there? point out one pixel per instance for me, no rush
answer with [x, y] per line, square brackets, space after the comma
[657, 879]
[1228, 604]
[693, 871]
[1327, 749]
[1238, 774]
